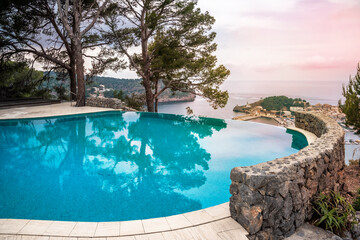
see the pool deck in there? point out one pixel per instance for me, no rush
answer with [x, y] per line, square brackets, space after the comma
[48, 111]
[214, 223]
[309, 135]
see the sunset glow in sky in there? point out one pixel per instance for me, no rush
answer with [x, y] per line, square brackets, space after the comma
[285, 40]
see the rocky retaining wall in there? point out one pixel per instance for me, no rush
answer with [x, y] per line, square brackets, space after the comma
[270, 200]
[113, 103]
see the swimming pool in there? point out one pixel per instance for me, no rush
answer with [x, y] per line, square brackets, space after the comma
[116, 166]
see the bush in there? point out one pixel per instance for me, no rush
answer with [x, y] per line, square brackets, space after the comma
[135, 101]
[356, 203]
[61, 92]
[354, 162]
[334, 213]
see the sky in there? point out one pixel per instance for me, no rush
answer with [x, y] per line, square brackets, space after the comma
[275, 45]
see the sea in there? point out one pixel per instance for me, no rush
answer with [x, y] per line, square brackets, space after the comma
[201, 107]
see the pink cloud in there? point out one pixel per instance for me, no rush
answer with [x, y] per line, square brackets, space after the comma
[267, 68]
[320, 62]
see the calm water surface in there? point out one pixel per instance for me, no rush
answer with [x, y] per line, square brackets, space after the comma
[124, 166]
[201, 107]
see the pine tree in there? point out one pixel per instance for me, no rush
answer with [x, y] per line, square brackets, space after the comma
[176, 46]
[351, 107]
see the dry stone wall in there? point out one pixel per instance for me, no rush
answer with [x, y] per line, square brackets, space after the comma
[270, 200]
[113, 103]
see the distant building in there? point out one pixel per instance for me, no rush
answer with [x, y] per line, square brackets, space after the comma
[286, 113]
[256, 111]
[295, 109]
[327, 107]
[317, 106]
[94, 90]
[101, 87]
[274, 112]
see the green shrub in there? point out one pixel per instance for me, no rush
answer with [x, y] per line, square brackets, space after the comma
[354, 162]
[356, 203]
[334, 213]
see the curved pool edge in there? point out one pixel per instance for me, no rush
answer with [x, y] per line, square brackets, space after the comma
[218, 214]
[273, 199]
[310, 137]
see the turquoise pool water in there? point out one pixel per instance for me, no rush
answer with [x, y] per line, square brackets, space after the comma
[117, 166]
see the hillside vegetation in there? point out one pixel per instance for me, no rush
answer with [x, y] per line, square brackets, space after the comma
[274, 103]
[281, 103]
[133, 86]
[127, 86]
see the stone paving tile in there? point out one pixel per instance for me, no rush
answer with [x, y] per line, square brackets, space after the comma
[84, 229]
[59, 228]
[178, 221]
[225, 205]
[226, 225]
[48, 110]
[63, 238]
[224, 229]
[181, 234]
[153, 236]
[12, 226]
[34, 237]
[155, 225]
[92, 238]
[198, 217]
[218, 212]
[35, 227]
[235, 234]
[207, 232]
[3, 237]
[121, 238]
[10, 237]
[107, 229]
[199, 234]
[131, 228]
[13, 237]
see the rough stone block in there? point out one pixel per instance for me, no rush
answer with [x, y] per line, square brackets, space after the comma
[271, 206]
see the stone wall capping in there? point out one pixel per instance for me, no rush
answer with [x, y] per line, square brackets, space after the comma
[270, 200]
[113, 103]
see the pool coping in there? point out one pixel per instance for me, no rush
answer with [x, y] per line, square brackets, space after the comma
[113, 229]
[110, 229]
[310, 137]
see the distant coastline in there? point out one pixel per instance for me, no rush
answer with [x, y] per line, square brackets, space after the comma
[189, 98]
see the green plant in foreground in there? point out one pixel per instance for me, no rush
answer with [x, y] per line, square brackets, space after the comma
[356, 203]
[334, 213]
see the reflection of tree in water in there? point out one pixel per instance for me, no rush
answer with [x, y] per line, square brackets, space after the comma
[127, 166]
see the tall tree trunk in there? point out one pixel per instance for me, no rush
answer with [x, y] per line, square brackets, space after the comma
[79, 62]
[72, 75]
[72, 72]
[156, 104]
[149, 95]
[146, 67]
[80, 101]
[156, 96]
